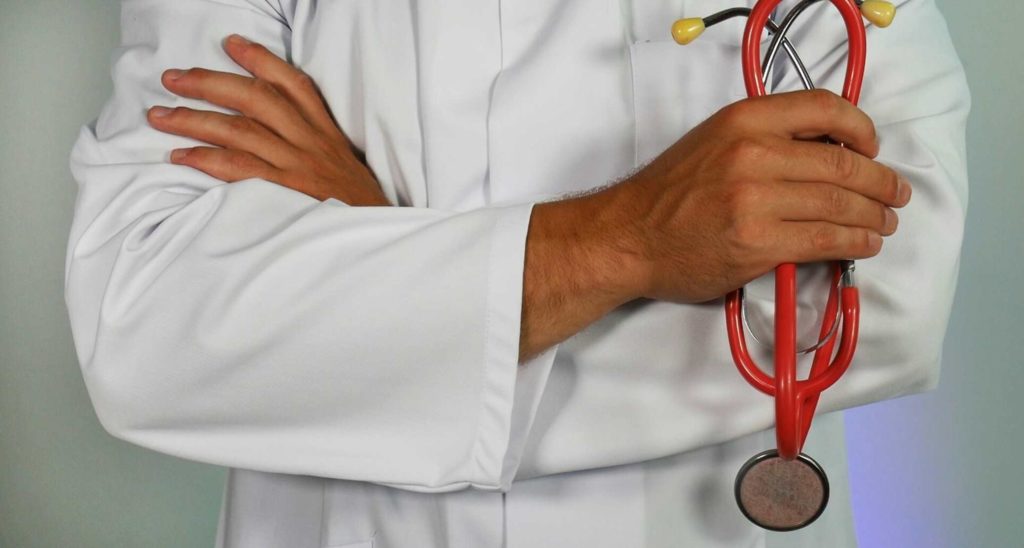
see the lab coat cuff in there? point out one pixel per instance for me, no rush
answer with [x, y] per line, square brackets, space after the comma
[531, 379]
[511, 391]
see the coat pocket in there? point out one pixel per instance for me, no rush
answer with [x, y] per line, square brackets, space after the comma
[677, 87]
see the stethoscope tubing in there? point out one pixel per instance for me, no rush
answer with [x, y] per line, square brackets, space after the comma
[796, 401]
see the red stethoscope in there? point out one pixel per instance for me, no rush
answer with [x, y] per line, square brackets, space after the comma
[783, 489]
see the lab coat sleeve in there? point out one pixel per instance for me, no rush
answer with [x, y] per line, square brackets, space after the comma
[252, 326]
[916, 92]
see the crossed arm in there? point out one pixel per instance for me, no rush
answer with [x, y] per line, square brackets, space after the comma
[588, 255]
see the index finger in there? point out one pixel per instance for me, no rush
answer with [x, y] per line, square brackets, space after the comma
[254, 98]
[294, 84]
[817, 113]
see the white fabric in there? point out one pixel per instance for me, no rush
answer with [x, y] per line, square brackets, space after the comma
[356, 367]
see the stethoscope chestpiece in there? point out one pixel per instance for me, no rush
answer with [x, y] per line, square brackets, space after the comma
[779, 494]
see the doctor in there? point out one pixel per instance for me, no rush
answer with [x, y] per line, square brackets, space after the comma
[527, 352]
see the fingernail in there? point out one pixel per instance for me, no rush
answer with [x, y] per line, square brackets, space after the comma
[875, 239]
[904, 190]
[238, 40]
[174, 74]
[160, 112]
[891, 220]
[179, 153]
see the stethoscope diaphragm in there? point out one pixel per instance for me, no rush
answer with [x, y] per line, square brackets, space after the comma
[779, 494]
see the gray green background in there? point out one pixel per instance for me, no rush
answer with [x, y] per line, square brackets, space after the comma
[936, 470]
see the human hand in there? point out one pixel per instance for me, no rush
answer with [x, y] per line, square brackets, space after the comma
[283, 134]
[746, 191]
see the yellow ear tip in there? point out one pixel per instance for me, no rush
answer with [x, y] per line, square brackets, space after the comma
[685, 31]
[879, 12]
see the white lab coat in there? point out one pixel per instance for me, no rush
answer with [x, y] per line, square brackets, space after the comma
[356, 367]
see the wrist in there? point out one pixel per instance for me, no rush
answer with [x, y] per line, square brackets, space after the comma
[600, 241]
[615, 215]
[578, 268]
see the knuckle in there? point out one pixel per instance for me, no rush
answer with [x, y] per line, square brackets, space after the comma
[738, 199]
[842, 163]
[197, 75]
[304, 83]
[836, 202]
[738, 113]
[825, 100]
[752, 196]
[197, 155]
[260, 87]
[240, 124]
[257, 94]
[871, 130]
[824, 239]
[743, 236]
[306, 160]
[239, 162]
[255, 48]
[183, 116]
[745, 152]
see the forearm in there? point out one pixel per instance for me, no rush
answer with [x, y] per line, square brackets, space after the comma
[577, 269]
